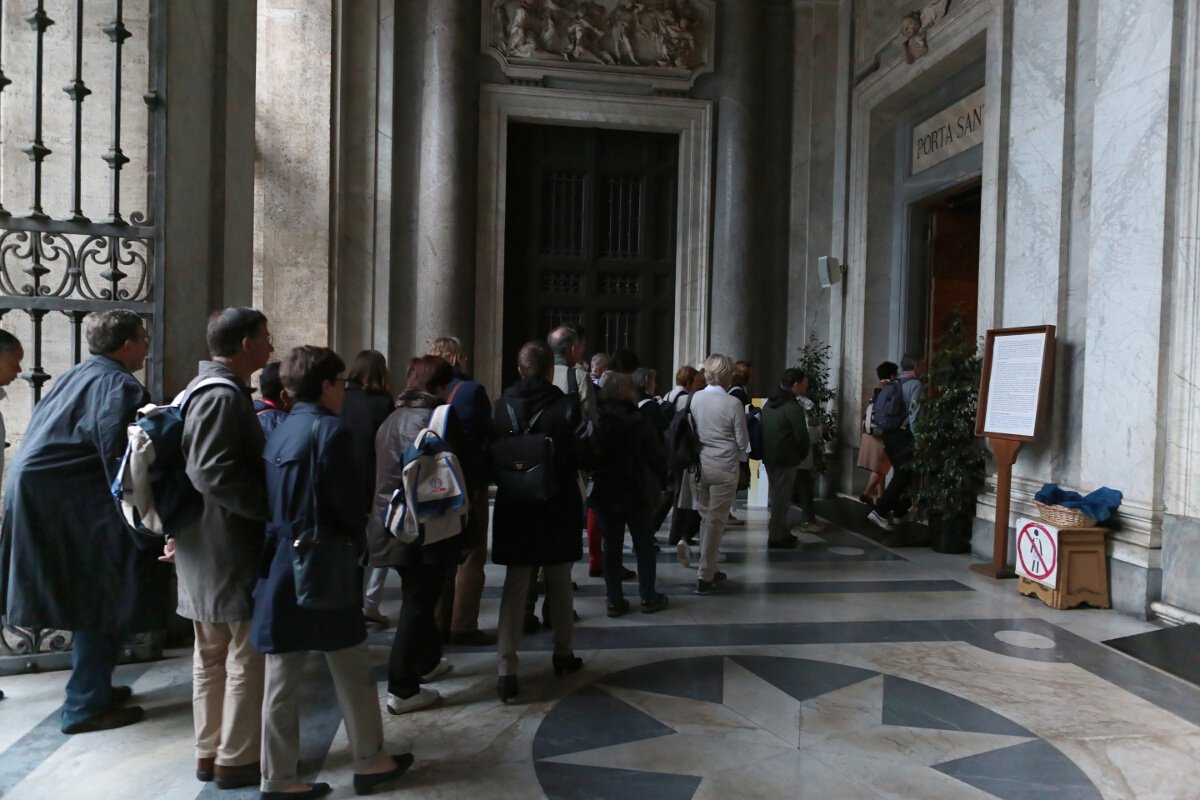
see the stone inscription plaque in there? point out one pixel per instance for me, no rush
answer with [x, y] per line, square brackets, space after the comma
[948, 133]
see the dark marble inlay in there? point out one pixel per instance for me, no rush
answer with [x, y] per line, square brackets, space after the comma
[1175, 650]
[592, 718]
[571, 782]
[1027, 771]
[596, 589]
[803, 678]
[704, 678]
[915, 705]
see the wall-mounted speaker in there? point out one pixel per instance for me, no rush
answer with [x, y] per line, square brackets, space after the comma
[829, 271]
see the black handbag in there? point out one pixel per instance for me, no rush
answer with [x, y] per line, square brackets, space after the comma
[523, 463]
[325, 564]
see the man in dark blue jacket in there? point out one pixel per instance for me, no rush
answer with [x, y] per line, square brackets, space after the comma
[74, 565]
[457, 610]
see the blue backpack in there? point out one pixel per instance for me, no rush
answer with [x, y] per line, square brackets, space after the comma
[890, 412]
[152, 488]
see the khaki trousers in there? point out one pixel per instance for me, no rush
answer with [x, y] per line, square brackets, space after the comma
[512, 611]
[780, 481]
[458, 607]
[715, 494]
[227, 692]
[357, 695]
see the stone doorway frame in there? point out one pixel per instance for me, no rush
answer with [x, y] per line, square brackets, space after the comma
[690, 119]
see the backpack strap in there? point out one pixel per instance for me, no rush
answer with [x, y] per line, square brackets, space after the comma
[436, 424]
[184, 397]
[572, 380]
[454, 391]
[514, 426]
[534, 421]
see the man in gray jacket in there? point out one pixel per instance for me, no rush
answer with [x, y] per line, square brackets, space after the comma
[217, 557]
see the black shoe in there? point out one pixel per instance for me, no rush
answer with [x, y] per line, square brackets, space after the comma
[506, 687]
[784, 544]
[119, 695]
[566, 664]
[107, 719]
[709, 587]
[204, 768]
[618, 609]
[657, 603]
[532, 624]
[475, 638]
[1, 695]
[628, 574]
[238, 777]
[720, 577]
[595, 572]
[315, 790]
[367, 783]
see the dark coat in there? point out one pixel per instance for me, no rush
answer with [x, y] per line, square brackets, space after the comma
[398, 431]
[362, 414]
[542, 533]
[474, 412]
[281, 626]
[630, 461]
[785, 430]
[67, 559]
[217, 555]
[269, 416]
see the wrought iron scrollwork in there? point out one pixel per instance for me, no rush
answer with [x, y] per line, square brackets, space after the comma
[85, 267]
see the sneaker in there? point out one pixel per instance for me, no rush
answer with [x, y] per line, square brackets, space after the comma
[443, 666]
[709, 587]
[876, 519]
[618, 609]
[424, 698]
[657, 603]
[683, 552]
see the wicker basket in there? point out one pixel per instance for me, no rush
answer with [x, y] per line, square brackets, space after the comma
[1062, 517]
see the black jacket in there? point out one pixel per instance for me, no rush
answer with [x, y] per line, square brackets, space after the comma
[542, 533]
[362, 414]
[630, 461]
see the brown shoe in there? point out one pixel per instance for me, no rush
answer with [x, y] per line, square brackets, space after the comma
[237, 777]
[204, 769]
[109, 718]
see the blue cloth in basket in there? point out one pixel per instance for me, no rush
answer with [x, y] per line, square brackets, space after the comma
[1098, 505]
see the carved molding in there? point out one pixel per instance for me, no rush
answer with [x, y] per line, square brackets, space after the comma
[665, 44]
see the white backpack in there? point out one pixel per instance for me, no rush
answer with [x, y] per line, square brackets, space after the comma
[431, 501]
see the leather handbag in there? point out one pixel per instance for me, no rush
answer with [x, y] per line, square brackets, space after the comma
[523, 463]
[325, 564]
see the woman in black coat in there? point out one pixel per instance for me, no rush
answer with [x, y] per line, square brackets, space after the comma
[417, 646]
[626, 487]
[310, 469]
[526, 535]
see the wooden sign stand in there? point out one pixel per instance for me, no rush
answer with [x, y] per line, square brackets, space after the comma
[1012, 412]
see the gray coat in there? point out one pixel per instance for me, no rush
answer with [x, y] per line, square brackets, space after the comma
[217, 557]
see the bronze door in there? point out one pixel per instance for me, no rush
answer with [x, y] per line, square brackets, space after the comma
[590, 240]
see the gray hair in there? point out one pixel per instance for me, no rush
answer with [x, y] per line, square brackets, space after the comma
[644, 376]
[106, 331]
[908, 362]
[562, 339]
[718, 368]
[620, 386]
[599, 360]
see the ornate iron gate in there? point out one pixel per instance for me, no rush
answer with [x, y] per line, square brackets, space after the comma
[74, 264]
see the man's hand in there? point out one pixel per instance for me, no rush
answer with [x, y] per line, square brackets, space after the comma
[168, 552]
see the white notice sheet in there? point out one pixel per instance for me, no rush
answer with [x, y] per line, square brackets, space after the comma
[1015, 384]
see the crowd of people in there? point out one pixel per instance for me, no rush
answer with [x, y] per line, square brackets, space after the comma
[314, 465]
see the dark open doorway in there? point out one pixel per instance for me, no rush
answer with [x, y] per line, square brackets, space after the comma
[590, 239]
[946, 239]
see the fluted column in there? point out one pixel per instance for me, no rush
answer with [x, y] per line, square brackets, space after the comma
[736, 235]
[445, 247]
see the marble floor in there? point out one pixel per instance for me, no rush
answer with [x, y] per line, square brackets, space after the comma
[840, 670]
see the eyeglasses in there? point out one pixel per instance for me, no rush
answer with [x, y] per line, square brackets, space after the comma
[342, 381]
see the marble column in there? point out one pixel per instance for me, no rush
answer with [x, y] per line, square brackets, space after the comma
[737, 235]
[444, 289]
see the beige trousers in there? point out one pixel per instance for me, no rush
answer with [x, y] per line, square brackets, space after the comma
[714, 494]
[227, 691]
[357, 696]
[512, 611]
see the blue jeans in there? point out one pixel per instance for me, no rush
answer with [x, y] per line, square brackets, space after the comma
[641, 530]
[89, 689]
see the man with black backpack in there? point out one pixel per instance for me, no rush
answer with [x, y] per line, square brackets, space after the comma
[217, 555]
[896, 413]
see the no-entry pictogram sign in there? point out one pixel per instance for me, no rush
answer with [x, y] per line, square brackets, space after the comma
[1037, 551]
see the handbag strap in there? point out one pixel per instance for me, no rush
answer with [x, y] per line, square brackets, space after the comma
[312, 470]
[454, 391]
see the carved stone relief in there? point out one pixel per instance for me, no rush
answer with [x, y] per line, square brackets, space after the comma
[915, 26]
[663, 43]
[876, 39]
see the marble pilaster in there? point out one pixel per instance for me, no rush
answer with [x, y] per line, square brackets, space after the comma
[443, 292]
[294, 169]
[737, 233]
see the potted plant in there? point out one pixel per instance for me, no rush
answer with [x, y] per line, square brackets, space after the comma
[814, 360]
[949, 460]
